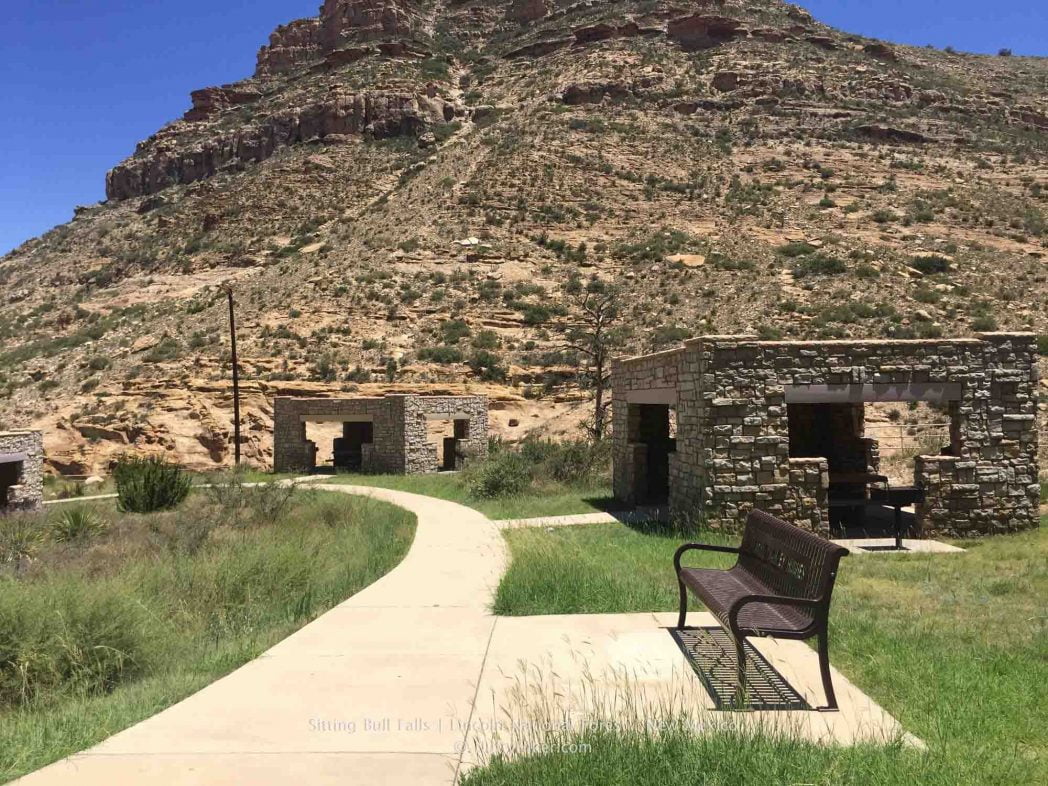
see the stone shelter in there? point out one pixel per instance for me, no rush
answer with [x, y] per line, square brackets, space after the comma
[725, 424]
[21, 470]
[387, 434]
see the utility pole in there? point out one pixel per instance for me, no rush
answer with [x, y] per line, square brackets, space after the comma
[236, 376]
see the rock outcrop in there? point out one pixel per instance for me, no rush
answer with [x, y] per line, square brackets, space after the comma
[341, 23]
[526, 11]
[211, 100]
[703, 32]
[161, 162]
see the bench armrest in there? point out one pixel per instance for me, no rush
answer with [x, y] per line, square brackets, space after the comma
[772, 600]
[700, 546]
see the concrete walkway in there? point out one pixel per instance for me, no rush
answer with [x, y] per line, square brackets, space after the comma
[412, 680]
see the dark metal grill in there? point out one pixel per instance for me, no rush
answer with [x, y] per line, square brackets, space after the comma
[711, 653]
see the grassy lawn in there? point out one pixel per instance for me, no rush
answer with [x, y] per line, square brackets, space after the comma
[543, 499]
[102, 631]
[954, 646]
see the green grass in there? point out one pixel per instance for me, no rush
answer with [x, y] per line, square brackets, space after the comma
[97, 638]
[544, 499]
[951, 645]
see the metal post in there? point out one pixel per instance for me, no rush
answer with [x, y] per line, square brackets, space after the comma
[236, 378]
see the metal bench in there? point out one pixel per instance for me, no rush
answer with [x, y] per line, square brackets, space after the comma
[780, 586]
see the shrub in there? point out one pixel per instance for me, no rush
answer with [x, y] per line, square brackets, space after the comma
[75, 524]
[145, 485]
[486, 365]
[819, 265]
[59, 638]
[984, 323]
[1042, 344]
[931, 264]
[442, 354]
[795, 249]
[20, 534]
[503, 475]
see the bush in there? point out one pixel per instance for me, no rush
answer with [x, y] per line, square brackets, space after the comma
[75, 524]
[819, 265]
[1042, 344]
[20, 534]
[503, 475]
[442, 354]
[59, 638]
[931, 264]
[145, 485]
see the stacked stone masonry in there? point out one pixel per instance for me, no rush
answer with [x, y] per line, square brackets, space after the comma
[21, 470]
[732, 397]
[398, 437]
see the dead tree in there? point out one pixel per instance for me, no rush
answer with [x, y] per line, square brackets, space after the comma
[594, 337]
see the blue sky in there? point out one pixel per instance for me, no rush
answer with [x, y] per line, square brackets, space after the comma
[85, 80]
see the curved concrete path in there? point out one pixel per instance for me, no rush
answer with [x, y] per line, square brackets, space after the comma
[379, 690]
[412, 680]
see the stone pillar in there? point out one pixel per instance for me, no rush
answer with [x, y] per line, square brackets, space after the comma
[292, 452]
[28, 493]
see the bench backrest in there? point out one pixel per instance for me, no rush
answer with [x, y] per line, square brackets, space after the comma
[790, 560]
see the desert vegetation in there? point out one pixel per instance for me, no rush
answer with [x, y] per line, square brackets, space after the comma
[106, 616]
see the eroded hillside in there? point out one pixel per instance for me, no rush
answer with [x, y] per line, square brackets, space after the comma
[405, 194]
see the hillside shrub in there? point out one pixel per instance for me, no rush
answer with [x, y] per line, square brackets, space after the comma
[931, 264]
[819, 265]
[145, 485]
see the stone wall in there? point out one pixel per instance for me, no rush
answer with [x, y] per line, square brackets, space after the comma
[400, 442]
[650, 379]
[28, 493]
[419, 454]
[732, 396]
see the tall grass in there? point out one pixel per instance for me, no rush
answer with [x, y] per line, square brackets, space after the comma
[97, 638]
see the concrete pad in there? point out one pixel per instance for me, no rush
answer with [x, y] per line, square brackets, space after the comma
[413, 702]
[250, 769]
[354, 630]
[855, 546]
[627, 669]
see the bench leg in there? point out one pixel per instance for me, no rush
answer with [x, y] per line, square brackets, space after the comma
[824, 667]
[740, 671]
[683, 605]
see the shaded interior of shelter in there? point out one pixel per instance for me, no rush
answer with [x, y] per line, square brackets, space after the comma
[859, 492]
[344, 452]
[655, 427]
[834, 430]
[10, 476]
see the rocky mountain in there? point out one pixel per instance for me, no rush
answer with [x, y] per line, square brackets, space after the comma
[407, 193]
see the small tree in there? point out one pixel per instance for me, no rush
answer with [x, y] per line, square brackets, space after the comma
[1005, 52]
[595, 336]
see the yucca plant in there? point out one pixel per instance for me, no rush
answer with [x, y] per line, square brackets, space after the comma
[76, 524]
[149, 484]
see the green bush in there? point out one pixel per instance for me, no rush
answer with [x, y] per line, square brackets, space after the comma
[574, 461]
[20, 535]
[819, 265]
[1042, 344]
[503, 475]
[58, 638]
[145, 485]
[931, 264]
[74, 524]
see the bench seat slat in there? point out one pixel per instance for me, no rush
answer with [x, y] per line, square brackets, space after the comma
[719, 589]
